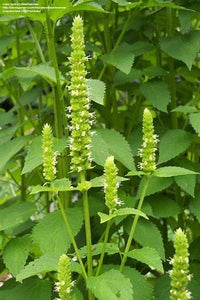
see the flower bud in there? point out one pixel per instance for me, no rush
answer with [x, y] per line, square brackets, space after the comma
[81, 118]
[64, 284]
[147, 152]
[110, 183]
[180, 272]
[49, 156]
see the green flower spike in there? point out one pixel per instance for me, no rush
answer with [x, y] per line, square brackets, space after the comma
[180, 273]
[64, 284]
[110, 184]
[49, 156]
[81, 118]
[147, 152]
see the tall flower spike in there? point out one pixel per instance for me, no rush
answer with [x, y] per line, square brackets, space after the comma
[110, 183]
[49, 156]
[147, 152]
[81, 118]
[64, 284]
[180, 272]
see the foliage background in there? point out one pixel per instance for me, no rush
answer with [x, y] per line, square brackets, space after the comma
[142, 54]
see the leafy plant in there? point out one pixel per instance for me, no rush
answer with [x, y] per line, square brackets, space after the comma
[99, 148]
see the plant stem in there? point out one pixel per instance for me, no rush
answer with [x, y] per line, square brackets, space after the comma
[68, 227]
[104, 247]
[20, 114]
[59, 110]
[86, 214]
[135, 221]
[41, 55]
[172, 83]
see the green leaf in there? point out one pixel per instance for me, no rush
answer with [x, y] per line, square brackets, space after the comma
[135, 173]
[195, 121]
[172, 143]
[187, 183]
[28, 73]
[115, 144]
[31, 289]
[163, 206]
[10, 148]
[142, 289]
[183, 47]
[121, 212]
[162, 287]
[51, 234]
[194, 206]
[46, 263]
[111, 285]
[185, 109]
[16, 214]
[172, 171]
[99, 153]
[155, 185]
[34, 157]
[141, 47]
[4, 43]
[99, 181]
[157, 92]
[147, 235]
[16, 253]
[58, 185]
[147, 256]
[122, 58]
[96, 90]
[111, 248]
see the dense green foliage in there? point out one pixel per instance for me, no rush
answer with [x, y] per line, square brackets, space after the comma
[139, 56]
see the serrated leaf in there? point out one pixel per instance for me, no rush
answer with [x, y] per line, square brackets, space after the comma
[16, 214]
[183, 47]
[142, 289]
[58, 185]
[115, 144]
[4, 43]
[195, 121]
[147, 235]
[155, 185]
[135, 173]
[163, 206]
[185, 109]
[172, 171]
[111, 285]
[96, 90]
[51, 234]
[33, 158]
[28, 73]
[99, 154]
[10, 148]
[99, 181]
[186, 183]
[194, 206]
[32, 289]
[121, 212]
[172, 143]
[162, 287]
[147, 256]
[45, 263]
[122, 58]
[111, 248]
[157, 92]
[16, 253]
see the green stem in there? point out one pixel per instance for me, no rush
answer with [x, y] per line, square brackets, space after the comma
[135, 221]
[68, 227]
[86, 214]
[104, 247]
[172, 74]
[41, 55]
[20, 113]
[59, 110]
